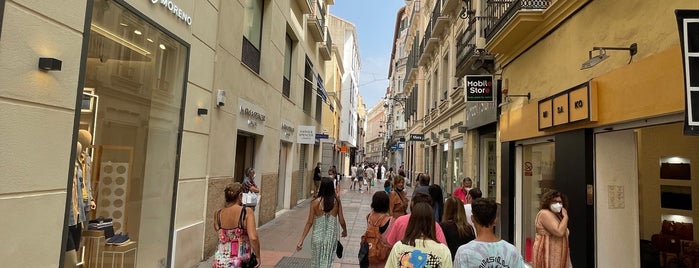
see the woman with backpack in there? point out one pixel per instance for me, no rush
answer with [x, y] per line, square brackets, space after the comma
[378, 222]
[419, 247]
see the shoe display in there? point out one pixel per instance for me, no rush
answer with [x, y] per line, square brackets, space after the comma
[118, 239]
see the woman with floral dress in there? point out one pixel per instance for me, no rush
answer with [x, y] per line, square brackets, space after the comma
[237, 232]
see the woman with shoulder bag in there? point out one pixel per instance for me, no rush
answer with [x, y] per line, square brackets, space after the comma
[237, 232]
[324, 215]
[398, 204]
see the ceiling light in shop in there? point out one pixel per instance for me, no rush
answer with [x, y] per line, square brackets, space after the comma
[137, 32]
[162, 46]
[149, 40]
[123, 24]
[106, 33]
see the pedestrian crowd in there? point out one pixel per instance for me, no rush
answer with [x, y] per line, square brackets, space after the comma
[425, 230]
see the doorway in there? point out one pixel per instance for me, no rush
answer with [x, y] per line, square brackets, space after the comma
[488, 169]
[284, 149]
[244, 155]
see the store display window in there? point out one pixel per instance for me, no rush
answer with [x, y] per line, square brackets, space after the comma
[130, 126]
[537, 179]
[458, 164]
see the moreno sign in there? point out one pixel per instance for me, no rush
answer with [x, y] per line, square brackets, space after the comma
[174, 9]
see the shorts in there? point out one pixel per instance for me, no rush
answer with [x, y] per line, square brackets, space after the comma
[316, 183]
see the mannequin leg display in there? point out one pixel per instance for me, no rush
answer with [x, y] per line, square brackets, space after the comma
[73, 244]
[71, 259]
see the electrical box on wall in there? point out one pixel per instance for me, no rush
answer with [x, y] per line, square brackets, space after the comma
[220, 98]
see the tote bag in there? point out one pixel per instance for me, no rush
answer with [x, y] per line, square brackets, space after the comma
[250, 199]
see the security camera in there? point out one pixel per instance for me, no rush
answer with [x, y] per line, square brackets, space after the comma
[220, 98]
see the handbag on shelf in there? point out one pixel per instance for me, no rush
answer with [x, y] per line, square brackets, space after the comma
[250, 199]
[339, 249]
[102, 224]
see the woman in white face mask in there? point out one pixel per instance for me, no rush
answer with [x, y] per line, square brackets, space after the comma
[551, 243]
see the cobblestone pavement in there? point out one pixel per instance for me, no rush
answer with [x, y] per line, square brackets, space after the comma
[278, 237]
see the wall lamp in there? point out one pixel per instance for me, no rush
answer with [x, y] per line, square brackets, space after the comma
[592, 61]
[50, 64]
[508, 98]
[202, 111]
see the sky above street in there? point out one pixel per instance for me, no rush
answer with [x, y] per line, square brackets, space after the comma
[375, 21]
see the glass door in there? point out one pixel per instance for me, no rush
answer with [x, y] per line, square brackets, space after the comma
[488, 167]
[537, 178]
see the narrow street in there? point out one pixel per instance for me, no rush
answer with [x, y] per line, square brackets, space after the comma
[278, 238]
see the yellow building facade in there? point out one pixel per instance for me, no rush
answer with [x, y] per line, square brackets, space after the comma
[604, 135]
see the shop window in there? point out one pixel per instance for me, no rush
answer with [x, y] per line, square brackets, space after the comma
[130, 125]
[458, 161]
[676, 197]
[444, 161]
[252, 34]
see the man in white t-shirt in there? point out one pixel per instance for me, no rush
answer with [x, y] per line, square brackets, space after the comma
[473, 194]
[370, 175]
[487, 250]
[383, 172]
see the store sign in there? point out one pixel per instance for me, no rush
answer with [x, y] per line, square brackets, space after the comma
[479, 88]
[175, 10]
[287, 130]
[417, 137]
[688, 26]
[306, 135]
[577, 104]
[252, 114]
[480, 113]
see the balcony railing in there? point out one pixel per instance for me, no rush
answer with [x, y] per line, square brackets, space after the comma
[327, 46]
[499, 12]
[328, 39]
[305, 6]
[466, 45]
[318, 19]
[413, 57]
[439, 20]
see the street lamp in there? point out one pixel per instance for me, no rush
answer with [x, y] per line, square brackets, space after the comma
[398, 99]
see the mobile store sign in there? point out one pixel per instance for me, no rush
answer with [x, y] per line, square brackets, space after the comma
[688, 26]
[175, 10]
[479, 88]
